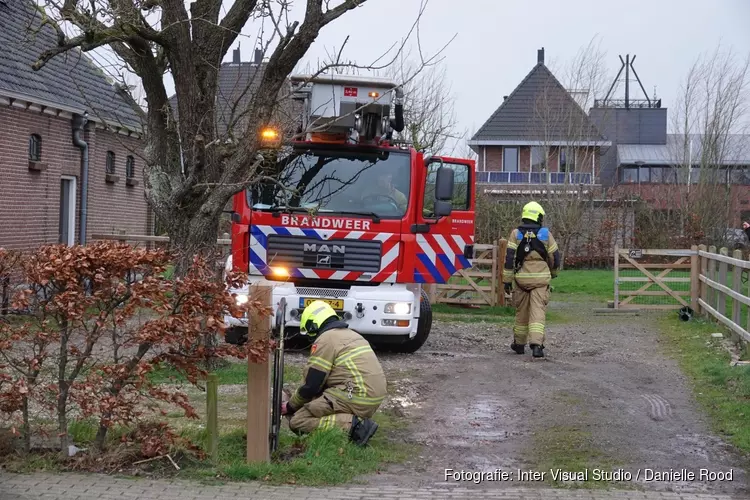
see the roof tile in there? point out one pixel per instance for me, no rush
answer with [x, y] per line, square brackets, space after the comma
[70, 79]
[539, 109]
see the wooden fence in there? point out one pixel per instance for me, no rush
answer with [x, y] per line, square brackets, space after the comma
[723, 290]
[481, 284]
[707, 281]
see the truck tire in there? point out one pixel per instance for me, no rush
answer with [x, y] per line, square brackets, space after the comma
[423, 328]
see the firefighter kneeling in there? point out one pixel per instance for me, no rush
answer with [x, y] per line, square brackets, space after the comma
[531, 261]
[344, 383]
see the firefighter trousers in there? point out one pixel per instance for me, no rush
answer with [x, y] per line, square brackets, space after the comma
[531, 309]
[327, 412]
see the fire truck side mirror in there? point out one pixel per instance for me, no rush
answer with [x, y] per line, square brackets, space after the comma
[444, 184]
[443, 208]
[444, 191]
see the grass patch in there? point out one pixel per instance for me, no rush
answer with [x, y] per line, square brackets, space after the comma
[321, 458]
[596, 283]
[572, 450]
[722, 390]
[234, 373]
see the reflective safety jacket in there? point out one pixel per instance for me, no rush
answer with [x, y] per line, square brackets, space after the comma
[532, 257]
[342, 365]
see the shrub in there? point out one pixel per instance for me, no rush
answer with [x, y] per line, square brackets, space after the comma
[98, 319]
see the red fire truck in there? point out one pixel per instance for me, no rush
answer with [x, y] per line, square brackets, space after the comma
[354, 218]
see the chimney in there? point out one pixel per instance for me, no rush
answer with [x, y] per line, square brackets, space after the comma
[540, 56]
[505, 97]
[258, 56]
[236, 56]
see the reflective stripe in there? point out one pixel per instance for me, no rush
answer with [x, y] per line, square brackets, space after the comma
[552, 248]
[327, 422]
[536, 327]
[520, 329]
[321, 363]
[343, 396]
[512, 245]
[297, 400]
[533, 275]
[343, 358]
[357, 376]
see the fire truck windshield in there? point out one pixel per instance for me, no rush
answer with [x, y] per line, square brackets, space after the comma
[334, 181]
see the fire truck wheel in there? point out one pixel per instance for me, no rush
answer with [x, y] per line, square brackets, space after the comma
[423, 327]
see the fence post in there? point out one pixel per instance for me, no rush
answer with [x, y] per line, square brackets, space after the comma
[495, 285]
[617, 276]
[712, 276]
[723, 267]
[259, 383]
[703, 272]
[212, 416]
[737, 287]
[694, 279]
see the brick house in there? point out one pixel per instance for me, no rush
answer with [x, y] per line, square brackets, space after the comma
[538, 135]
[48, 193]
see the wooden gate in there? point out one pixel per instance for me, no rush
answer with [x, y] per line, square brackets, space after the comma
[655, 279]
[481, 284]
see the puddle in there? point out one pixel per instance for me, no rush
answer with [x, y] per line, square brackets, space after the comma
[484, 420]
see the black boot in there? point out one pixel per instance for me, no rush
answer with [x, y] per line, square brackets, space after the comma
[519, 348]
[537, 350]
[362, 430]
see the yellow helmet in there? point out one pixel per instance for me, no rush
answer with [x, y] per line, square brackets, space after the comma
[533, 211]
[314, 316]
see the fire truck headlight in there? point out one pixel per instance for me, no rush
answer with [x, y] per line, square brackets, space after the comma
[241, 299]
[398, 308]
[280, 271]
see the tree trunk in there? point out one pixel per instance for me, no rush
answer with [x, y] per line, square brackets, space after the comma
[62, 397]
[26, 426]
[192, 236]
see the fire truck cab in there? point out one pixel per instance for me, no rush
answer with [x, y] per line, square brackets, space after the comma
[352, 217]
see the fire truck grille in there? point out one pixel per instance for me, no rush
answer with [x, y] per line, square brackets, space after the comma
[323, 292]
[312, 253]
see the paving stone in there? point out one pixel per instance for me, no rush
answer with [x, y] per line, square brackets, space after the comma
[42, 486]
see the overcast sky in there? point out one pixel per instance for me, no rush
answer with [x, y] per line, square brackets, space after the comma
[497, 40]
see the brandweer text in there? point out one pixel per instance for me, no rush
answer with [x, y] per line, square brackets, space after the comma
[326, 223]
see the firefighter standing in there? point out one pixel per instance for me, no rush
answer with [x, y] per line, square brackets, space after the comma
[344, 383]
[531, 261]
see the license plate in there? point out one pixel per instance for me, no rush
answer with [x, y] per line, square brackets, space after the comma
[337, 304]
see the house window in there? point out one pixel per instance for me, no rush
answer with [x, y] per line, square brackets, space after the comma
[510, 159]
[657, 175]
[643, 175]
[740, 175]
[538, 159]
[130, 167]
[567, 160]
[110, 163]
[629, 175]
[35, 147]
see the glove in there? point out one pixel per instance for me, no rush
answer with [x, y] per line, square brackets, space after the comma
[508, 287]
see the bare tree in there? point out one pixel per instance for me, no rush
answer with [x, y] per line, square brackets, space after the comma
[193, 167]
[429, 110]
[708, 123]
[566, 137]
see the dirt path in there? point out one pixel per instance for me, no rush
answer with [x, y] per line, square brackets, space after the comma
[606, 396]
